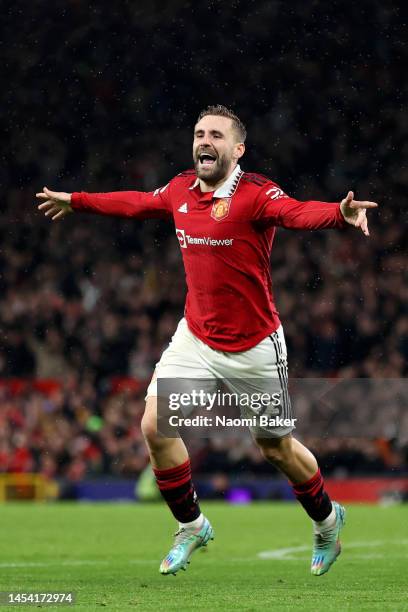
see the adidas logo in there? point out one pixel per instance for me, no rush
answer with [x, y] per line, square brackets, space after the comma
[183, 208]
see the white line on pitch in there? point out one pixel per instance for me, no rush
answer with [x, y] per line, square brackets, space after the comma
[72, 563]
[287, 553]
[280, 554]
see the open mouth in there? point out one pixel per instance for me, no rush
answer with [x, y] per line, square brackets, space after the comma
[207, 159]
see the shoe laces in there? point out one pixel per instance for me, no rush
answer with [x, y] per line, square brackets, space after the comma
[182, 535]
[322, 539]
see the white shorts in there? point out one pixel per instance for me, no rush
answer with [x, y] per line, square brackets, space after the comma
[187, 357]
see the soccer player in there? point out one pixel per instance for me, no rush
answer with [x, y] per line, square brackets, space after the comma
[225, 222]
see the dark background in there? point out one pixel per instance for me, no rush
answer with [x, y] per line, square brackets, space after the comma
[104, 96]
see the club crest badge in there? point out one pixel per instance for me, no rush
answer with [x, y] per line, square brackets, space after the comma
[220, 209]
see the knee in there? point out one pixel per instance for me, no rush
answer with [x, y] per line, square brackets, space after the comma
[154, 440]
[149, 424]
[277, 451]
[149, 427]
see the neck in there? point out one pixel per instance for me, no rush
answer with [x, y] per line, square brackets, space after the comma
[206, 187]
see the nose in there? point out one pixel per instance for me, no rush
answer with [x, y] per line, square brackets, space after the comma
[205, 141]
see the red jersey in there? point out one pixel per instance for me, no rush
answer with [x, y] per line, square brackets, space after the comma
[225, 238]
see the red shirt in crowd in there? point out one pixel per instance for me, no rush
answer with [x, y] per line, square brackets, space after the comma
[225, 238]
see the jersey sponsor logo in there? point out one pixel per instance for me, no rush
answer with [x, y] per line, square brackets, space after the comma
[186, 239]
[220, 209]
[275, 193]
[181, 235]
[183, 208]
[160, 190]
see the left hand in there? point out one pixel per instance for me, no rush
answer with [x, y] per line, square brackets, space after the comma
[354, 212]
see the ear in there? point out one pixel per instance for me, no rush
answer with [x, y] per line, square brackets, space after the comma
[239, 150]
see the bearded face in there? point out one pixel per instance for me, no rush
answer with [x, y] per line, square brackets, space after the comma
[211, 166]
[215, 149]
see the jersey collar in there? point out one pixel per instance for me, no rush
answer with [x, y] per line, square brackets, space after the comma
[229, 186]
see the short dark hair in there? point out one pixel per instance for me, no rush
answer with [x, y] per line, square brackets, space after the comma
[222, 111]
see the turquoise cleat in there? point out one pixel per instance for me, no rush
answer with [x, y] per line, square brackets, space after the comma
[186, 542]
[326, 546]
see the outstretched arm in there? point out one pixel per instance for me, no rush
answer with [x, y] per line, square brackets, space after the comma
[274, 207]
[140, 204]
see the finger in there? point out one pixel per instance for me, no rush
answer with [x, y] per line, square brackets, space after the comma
[349, 197]
[357, 204]
[45, 205]
[52, 210]
[364, 227]
[49, 193]
[361, 215]
[60, 214]
[41, 195]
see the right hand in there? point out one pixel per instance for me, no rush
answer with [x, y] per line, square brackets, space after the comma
[56, 204]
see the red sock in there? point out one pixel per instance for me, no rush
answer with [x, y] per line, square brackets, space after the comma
[177, 488]
[313, 497]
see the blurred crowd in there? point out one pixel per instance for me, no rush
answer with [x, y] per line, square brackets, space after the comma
[108, 102]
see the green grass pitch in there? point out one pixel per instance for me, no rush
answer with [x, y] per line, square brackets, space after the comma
[109, 555]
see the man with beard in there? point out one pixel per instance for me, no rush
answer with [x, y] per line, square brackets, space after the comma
[225, 222]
